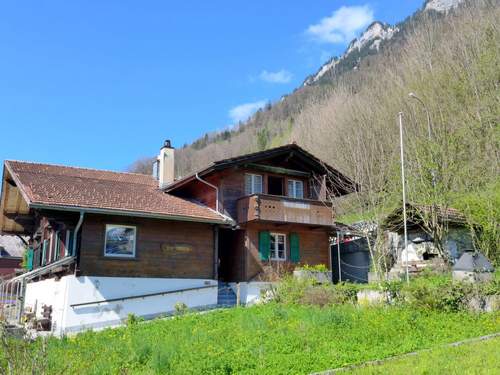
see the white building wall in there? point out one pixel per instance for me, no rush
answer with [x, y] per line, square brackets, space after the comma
[71, 290]
[251, 292]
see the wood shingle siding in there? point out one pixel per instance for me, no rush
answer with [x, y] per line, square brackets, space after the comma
[163, 249]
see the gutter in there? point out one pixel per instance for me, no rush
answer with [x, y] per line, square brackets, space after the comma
[122, 213]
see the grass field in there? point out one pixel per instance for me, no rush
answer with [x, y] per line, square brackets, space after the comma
[271, 339]
[475, 358]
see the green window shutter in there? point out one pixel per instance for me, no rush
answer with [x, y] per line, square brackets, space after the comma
[264, 244]
[294, 247]
[29, 260]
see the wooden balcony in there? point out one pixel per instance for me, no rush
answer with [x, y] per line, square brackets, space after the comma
[284, 210]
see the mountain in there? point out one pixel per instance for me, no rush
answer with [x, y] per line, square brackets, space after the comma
[441, 5]
[370, 42]
[278, 123]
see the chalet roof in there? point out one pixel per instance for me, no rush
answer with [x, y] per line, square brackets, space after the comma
[11, 246]
[54, 186]
[416, 213]
[345, 184]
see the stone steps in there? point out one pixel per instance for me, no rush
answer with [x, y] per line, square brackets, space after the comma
[225, 296]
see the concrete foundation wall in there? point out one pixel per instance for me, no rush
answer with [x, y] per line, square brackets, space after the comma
[250, 292]
[71, 290]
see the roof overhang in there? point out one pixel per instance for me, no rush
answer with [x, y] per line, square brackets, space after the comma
[108, 211]
[292, 150]
[14, 205]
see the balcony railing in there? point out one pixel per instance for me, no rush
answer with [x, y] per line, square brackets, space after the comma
[284, 210]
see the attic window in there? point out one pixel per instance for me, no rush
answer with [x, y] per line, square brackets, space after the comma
[253, 183]
[296, 189]
[120, 241]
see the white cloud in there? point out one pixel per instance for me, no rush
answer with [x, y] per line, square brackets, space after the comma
[342, 25]
[281, 76]
[243, 111]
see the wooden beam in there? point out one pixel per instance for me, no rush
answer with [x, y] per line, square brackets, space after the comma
[19, 217]
[277, 170]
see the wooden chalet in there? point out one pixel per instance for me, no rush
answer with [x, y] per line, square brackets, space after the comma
[114, 238]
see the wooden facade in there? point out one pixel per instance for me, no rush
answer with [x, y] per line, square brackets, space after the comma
[309, 218]
[177, 248]
[164, 248]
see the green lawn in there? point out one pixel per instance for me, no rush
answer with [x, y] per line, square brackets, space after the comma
[271, 339]
[474, 358]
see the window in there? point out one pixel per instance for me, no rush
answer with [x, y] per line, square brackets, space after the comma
[295, 189]
[120, 241]
[253, 183]
[277, 248]
[275, 185]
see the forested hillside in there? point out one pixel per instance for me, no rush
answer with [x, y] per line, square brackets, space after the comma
[348, 118]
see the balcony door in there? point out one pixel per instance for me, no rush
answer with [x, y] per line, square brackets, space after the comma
[275, 185]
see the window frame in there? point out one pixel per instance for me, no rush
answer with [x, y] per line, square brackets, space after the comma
[126, 256]
[252, 184]
[294, 190]
[273, 252]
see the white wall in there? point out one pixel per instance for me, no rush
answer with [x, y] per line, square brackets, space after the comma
[70, 290]
[250, 292]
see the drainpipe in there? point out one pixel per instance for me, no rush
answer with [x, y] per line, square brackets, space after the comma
[75, 235]
[213, 187]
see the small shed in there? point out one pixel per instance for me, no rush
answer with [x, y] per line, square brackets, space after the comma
[473, 267]
[421, 246]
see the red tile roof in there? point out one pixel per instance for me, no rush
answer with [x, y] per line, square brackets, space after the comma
[58, 186]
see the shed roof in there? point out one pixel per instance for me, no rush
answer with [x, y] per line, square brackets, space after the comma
[416, 213]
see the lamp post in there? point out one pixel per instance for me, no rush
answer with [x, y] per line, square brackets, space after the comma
[429, 130]
[403, 181]
[429, 126]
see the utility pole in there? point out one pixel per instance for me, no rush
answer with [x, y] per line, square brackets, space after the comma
[403, 181]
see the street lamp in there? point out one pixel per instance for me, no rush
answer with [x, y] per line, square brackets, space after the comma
[403, 181]
[429, 130]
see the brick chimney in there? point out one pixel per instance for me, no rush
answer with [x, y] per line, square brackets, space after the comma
[165, 165]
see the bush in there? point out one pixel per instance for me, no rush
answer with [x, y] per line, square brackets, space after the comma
[315, 268]
[306, 292]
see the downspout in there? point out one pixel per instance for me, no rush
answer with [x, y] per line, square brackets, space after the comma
[213, 187]
[75, 235]
[216, 228]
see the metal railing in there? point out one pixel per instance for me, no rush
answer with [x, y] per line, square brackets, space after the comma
[13, 291]
[12, 300]
[98, 302]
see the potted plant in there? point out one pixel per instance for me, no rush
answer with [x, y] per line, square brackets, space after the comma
[319, 273]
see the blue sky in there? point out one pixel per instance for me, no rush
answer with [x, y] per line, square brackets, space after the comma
[102, 83]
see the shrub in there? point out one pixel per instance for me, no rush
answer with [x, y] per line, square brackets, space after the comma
[181, 308]
[306, 292]
[133, 320]
[315, 268]
[325, 295]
